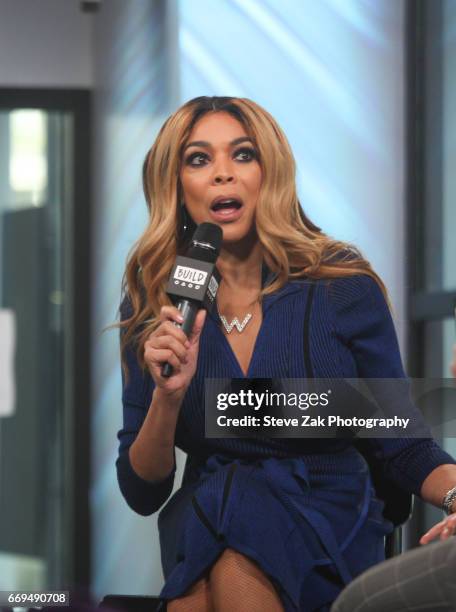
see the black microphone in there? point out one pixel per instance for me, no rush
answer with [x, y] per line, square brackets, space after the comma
[194, 279]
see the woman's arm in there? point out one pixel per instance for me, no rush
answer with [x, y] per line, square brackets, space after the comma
[362, 321]
[145, 470]
[441, 479]
[146, 464]
[437, 485]
[152, 452]
[439, 482]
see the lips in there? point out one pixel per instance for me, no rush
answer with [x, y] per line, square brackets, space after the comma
[226, 202]
[226, 208]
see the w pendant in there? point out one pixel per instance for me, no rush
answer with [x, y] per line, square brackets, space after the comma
[235, 323]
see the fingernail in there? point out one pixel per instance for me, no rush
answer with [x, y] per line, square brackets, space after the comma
[180, 318]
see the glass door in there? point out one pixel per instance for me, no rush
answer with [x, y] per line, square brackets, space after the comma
[35, 198]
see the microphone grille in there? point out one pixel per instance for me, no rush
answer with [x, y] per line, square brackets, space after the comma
[208, 237]
[209, 232]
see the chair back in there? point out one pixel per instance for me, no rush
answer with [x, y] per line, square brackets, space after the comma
[398, 503]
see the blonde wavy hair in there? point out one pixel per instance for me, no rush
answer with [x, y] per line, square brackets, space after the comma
[293, 247]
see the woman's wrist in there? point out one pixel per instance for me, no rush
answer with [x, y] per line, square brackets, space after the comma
[449, 501]
[170, 399]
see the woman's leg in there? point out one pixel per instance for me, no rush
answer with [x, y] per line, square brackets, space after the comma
[196, 599]
[237, 583]
[234, 582]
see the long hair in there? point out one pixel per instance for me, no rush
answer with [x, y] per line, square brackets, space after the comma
[293, 247]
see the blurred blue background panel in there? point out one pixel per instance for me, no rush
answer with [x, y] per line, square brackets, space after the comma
[330, 72]
[132, 73]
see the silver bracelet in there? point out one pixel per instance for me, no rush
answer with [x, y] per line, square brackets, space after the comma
[448, 500]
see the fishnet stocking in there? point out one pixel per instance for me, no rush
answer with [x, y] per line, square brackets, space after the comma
[196, 599]
[237, 584]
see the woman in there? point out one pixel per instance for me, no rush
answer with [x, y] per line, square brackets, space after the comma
[270, 524]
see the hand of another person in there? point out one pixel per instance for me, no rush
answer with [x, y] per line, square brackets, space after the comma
[168, 343]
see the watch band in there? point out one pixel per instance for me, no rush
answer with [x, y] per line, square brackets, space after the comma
[448, 500]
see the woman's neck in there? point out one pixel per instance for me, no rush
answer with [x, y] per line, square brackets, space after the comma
[240, 266]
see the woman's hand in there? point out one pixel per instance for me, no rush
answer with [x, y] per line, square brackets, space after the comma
[445, 529]
[168, 343]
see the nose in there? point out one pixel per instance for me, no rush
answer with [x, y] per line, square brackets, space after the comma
[221, 179]
[223, 173]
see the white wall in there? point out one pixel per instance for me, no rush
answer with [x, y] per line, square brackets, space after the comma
[45, 43]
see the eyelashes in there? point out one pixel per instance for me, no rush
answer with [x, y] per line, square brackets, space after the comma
[248, 152]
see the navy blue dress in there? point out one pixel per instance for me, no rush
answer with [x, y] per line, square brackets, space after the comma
[304, 509]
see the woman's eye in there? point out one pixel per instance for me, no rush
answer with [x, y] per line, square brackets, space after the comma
[196, 159]
[245, 154]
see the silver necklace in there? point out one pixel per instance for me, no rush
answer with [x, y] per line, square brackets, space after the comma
[235, 323]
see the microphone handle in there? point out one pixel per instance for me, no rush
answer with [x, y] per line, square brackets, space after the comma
[188, 309]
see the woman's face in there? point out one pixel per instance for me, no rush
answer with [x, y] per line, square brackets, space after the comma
[220, 175]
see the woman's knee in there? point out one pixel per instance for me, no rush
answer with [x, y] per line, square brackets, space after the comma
[195, 599]
[232, 561]
[238, 583]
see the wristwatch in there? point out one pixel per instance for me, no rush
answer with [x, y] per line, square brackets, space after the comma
[448, 501]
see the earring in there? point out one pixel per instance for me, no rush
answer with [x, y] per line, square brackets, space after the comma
[186, 225]
[184, 217]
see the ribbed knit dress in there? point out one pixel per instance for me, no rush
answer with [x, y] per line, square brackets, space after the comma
[305, 510]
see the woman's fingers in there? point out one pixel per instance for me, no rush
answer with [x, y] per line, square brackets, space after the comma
[170, 313]
[198, 326]
[445, 529]
[450, 526]
[168, 342]
[432, 533]
[167, 328]
[159, 356]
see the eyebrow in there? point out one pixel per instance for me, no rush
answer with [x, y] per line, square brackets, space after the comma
[204, 143]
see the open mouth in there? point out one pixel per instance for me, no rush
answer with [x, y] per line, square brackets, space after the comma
[226, 204]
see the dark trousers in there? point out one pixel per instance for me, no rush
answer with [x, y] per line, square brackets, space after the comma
[421, 579]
